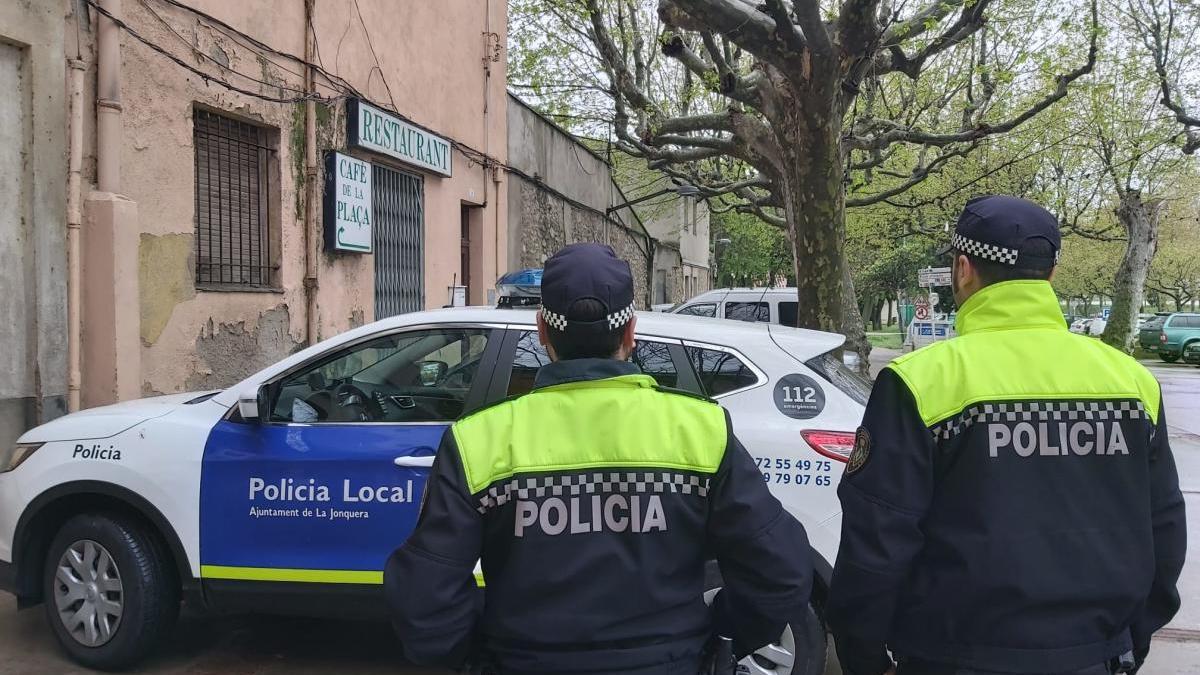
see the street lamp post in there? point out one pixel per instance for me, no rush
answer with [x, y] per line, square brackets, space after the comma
[718, 246]
[684, 190]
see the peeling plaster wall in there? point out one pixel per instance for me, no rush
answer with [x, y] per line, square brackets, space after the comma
[431, 55]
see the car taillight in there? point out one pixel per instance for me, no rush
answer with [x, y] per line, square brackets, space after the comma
[833, 444]
[1162, 337]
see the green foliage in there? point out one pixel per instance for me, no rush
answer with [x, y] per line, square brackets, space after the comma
[756, 255]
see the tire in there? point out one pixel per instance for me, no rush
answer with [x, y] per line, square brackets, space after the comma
[121, 571]
[807, 649]
[1169, 358]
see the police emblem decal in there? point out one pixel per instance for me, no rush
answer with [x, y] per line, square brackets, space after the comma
[862, 448]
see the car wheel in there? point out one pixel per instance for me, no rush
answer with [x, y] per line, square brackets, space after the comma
[1169, 358]
[110, 592]
[796, 652]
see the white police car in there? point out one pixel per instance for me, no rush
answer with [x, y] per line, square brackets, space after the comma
[287, 492]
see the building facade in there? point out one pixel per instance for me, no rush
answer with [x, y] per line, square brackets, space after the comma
[33, 228]
[681, 224]
[260, 175]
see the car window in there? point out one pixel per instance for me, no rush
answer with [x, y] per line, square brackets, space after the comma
[1186, 322]
[1153, 323]
[654, 358]
[747, 311]
[719, 372]
[416, 376]
[842, 376]
[788, 312]
[702, 309]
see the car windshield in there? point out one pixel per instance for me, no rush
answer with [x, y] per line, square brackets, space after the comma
[837, 373]
[1154, 323]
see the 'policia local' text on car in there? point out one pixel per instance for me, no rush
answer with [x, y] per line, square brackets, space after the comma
[287, 492]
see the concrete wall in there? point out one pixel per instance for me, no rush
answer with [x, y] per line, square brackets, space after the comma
[558, 195]
[545, 222]
[33, 137]
[427, 61]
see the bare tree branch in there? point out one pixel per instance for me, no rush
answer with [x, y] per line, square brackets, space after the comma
[741, 21]
[918, 23]
[983, 130]
[969, 22]
[919, 175]
[808, 16]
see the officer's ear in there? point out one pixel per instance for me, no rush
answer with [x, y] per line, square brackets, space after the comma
[544, 337]
[628, 339]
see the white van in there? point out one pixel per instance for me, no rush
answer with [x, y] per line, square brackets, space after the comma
[769, 305]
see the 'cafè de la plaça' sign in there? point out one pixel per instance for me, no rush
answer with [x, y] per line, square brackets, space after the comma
[379, 131]
[348, 203]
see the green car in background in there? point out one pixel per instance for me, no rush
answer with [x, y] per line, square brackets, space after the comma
[1179, 332]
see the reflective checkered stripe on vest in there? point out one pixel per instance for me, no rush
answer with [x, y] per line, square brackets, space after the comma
[1032, 394]
[543, 456]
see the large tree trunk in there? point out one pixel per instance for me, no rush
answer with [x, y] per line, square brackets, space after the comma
[815, 210]
[1140, 219]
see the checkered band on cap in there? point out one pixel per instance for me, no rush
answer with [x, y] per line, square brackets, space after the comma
[554, 319]
[620, 318]
[999, 254]
[615, 320]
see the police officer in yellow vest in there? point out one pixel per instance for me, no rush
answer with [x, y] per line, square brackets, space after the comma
[1011, 504]
[594, 502]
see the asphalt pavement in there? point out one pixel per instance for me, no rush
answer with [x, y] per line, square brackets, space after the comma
[253, 645]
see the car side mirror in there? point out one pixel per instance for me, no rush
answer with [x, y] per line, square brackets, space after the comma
[252, 403]
[432, 372]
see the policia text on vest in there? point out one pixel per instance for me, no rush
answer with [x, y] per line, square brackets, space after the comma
[1012, 504]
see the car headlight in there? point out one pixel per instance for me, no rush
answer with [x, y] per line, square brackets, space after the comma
[11, 458]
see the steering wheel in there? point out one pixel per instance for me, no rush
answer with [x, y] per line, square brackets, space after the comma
[365, 409]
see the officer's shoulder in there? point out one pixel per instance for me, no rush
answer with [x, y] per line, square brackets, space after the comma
[925, 354]
[683, 392]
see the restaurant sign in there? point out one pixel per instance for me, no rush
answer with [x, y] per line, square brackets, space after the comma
[380, 131]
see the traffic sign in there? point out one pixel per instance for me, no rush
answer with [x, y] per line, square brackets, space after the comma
[1106, 312]
[922, 312]
[933, 276]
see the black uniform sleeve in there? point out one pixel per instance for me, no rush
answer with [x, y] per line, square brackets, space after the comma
[429, 581]
[883, 500]
[762, 551]
[1170, 541]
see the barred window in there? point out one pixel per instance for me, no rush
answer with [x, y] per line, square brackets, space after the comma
[237, 238]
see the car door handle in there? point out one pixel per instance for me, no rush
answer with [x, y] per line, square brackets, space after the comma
[414, 460]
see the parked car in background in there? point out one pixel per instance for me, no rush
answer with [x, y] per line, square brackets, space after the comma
[1191, 353]
[1080, 325]
[1178, 331]
[767, 305]
[1149, 331]
[1096, 326]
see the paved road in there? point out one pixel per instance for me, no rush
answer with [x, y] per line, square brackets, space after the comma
[273, 646]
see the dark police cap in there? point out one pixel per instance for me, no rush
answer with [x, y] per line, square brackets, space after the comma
[1000, 228]
[586, 272]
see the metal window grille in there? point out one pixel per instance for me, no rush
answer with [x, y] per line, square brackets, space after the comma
[399, 242]
[233, 202]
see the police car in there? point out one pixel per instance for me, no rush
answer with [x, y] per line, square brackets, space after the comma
[287, 492]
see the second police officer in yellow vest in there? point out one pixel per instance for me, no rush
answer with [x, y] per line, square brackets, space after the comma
[594, 502]
[1011, 504]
